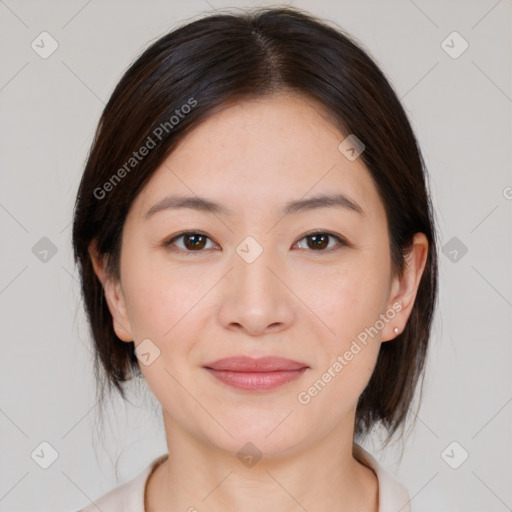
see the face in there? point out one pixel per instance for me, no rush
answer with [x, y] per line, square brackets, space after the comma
[252, 279]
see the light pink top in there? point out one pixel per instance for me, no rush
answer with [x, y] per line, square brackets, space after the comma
[129, 497]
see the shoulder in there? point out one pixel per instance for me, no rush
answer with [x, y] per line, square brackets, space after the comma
[128, 497]
[392, 495]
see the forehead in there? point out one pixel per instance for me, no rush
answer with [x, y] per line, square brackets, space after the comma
[267, 150]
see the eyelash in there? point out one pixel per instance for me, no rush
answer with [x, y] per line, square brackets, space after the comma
[168, 243]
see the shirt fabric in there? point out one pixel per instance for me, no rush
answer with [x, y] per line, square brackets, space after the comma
[129, 497]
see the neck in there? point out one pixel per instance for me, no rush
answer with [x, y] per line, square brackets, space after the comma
[199, 476]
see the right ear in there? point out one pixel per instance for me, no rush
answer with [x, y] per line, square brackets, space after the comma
[113, 294]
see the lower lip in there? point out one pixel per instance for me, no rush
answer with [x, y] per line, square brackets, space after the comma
[260, 381]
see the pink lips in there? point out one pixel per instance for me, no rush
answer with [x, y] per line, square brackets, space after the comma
[261, 374]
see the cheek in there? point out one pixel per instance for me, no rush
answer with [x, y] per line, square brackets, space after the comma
[160, 299]
[357, 297]
[348, 298]
[333, 391]
[165, 307]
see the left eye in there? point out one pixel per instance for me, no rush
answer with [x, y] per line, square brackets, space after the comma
[319, 241]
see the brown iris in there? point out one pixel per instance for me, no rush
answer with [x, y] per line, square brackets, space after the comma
[320, 241]
[198, 241]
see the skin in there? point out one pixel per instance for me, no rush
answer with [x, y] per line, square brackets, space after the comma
[293, 301]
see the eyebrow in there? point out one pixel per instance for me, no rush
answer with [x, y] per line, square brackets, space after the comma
[300, 205]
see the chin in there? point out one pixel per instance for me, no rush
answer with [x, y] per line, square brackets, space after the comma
[258, 439]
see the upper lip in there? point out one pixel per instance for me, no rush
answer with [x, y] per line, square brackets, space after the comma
[262, 364]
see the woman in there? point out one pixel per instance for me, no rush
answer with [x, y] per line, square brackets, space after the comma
[256, 240]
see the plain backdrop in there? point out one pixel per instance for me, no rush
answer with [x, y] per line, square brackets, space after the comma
[460, 108]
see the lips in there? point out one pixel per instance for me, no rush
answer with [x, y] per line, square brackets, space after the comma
[255, 375]
[260, 365]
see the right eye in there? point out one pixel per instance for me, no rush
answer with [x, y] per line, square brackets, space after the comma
[193, 241]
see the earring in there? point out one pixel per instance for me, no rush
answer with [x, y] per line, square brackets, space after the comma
[395, 330]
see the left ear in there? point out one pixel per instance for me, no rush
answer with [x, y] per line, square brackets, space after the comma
[404, 289]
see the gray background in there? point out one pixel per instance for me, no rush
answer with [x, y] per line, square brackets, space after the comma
[460, 109]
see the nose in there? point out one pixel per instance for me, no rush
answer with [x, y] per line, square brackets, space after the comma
[256, 299]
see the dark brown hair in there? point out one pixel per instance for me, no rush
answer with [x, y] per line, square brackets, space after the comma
[221, 58]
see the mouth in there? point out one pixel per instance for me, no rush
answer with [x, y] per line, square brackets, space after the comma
[250, 374]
